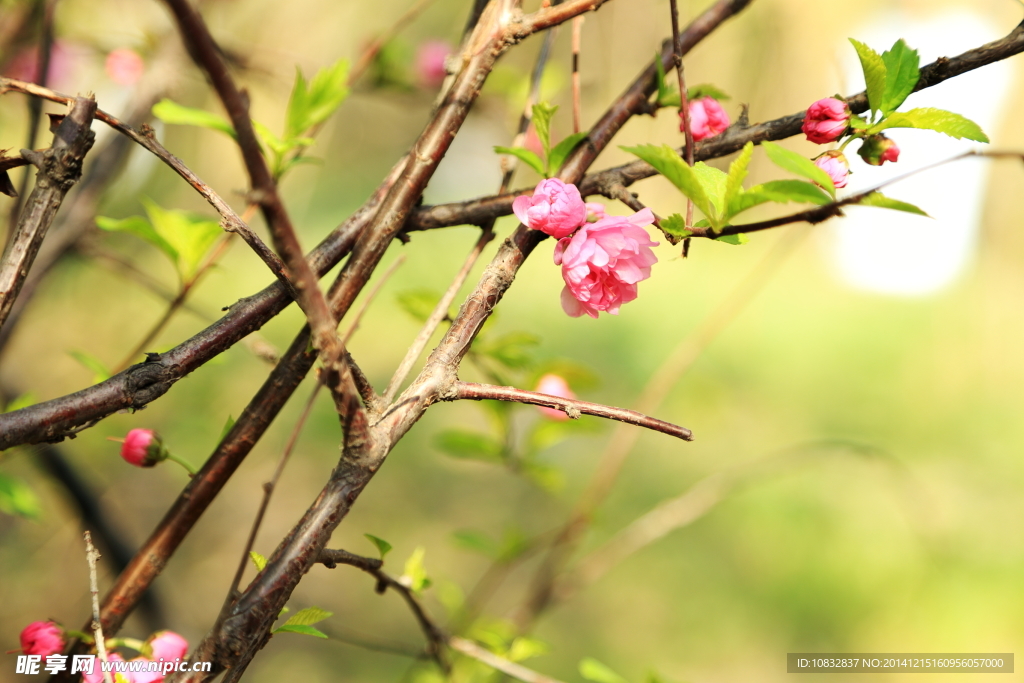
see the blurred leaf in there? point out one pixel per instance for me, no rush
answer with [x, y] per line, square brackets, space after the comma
[140, 227]
[17, 499]
[874, 74]
[227, 428]
[101, 372]
[706, 90]
[802, 166]
[513, 350]
[880, 200]
[575, 373]
[526, 156]
[547, 477]
[383, 547]
[524, 648]
[459, 443]
[419, 303]
[542, 115]
[513, 544]
[563, 149]
[311, 104]
[901, 75]
[299, 628]
[257, 560]
[18, 402]
[451, 597]
[476, 541]
[173, 113]
[667, 162]
[733, 239]
[593, 670]
[953, 125]
[190, 236]
[308, 617]
[415, 576]
[857, 123]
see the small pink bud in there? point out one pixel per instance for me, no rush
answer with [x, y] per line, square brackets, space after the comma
[878, 149]
[554, 385]
[835, 164]
[430, 62]
[143, 448]
[826, 120]
[124, 66]
[168, 645]
[42, 638]
[556, 208]
[707, 118]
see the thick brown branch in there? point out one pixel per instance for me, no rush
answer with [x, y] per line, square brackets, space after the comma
[572, 407]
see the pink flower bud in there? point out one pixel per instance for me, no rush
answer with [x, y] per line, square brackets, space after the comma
[430, 62]
[553, 385]
[835, 164]
[42, 638]
[167, 645]
[878, 149]
[143, 448]
[603, 262]
[556, 208]
[826, 120]
[124, 66]
[707, 118]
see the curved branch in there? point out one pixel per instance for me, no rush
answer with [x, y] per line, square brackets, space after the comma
[572, 407]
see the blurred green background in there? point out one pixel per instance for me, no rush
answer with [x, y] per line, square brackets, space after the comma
[877, 439]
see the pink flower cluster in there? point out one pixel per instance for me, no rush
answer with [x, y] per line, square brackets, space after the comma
[603, 261]
[707, 118]
[826, 121]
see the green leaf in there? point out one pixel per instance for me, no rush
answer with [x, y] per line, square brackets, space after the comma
[18, 402]
[173, 113]
[706, 90]
[227, 428]
[901, 75]
[857, 123]
[415, 576]
[312, 104]
[928, 118]
[874, 73]
[383, 547]
[714, 183]
[191, 236]
[257, 560]
[17, 499]
[667, 96]
[308, 617]
[733, 239]
[476, 541]
[542, 115]
[299, 628]
[785, 191]
[526, 156]
[737, 174]
[563, 149]
[513, 544]
[524, 648]
[419, 303]
[668, 163]
[513, 350]
[101, 372]
[675, 225]
[880, 200]
[593, 670]
[468, 445]
[802, 166]
[141, 228]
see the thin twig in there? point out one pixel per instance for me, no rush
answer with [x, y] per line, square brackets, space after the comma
[571, 406]
[91, 556]
[517, 671]
[577, 28]
[684, 105]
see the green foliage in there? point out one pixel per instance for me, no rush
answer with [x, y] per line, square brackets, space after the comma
[675, 226]
[560, 152]
[733, 239]
[542, 115]
[467, 445]
[100, 372]
[173, 113]
[513, 350]
[527, 156]
[928, 118]
[300, 628]
[476, 541]
[800, 165]
[553, 158]
[593, 670]
[383, 547]
[313, 103]
[17, 499]
[706, 90]
[303, 620]
[669, 164]
[415, 575]
[259, 560]
[418, 303]
[874, 74]
[902, 71]
[524, 647]
[880, 200]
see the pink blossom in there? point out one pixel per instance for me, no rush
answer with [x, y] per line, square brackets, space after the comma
[707, 118]
[124, 66]
[595, 211]
[603, 262]
[556, 208]
[826, 120]
[835, 164]
[156, 676]
[143, 448]
[430, 62]
[554, 385]
[42, 638]
[97, 670]
[167, 645]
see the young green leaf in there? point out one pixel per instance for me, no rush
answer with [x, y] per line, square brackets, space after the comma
[928, 118]
[141, 228]
[17, 499]
[706, 90]
[901, 75]
[562, 150]
[311, 104]
[190, 236]
[880, 200]
[667, 95]
[802, 166]
[714, 183]
[523, 648]
[259, 560]
[383, 547]
[593, 670]
[799, 191]
[415, 576]
[299, 628]
[100, 372]
[418, 303]
[675, 227]
[737, 174]
[459, 443]
[308, 617]
[528, 157]
[667, 162]
[173, 113]
[542, 115]
[874, 73]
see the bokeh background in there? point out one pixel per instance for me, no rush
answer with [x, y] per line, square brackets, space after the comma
[868, 442]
